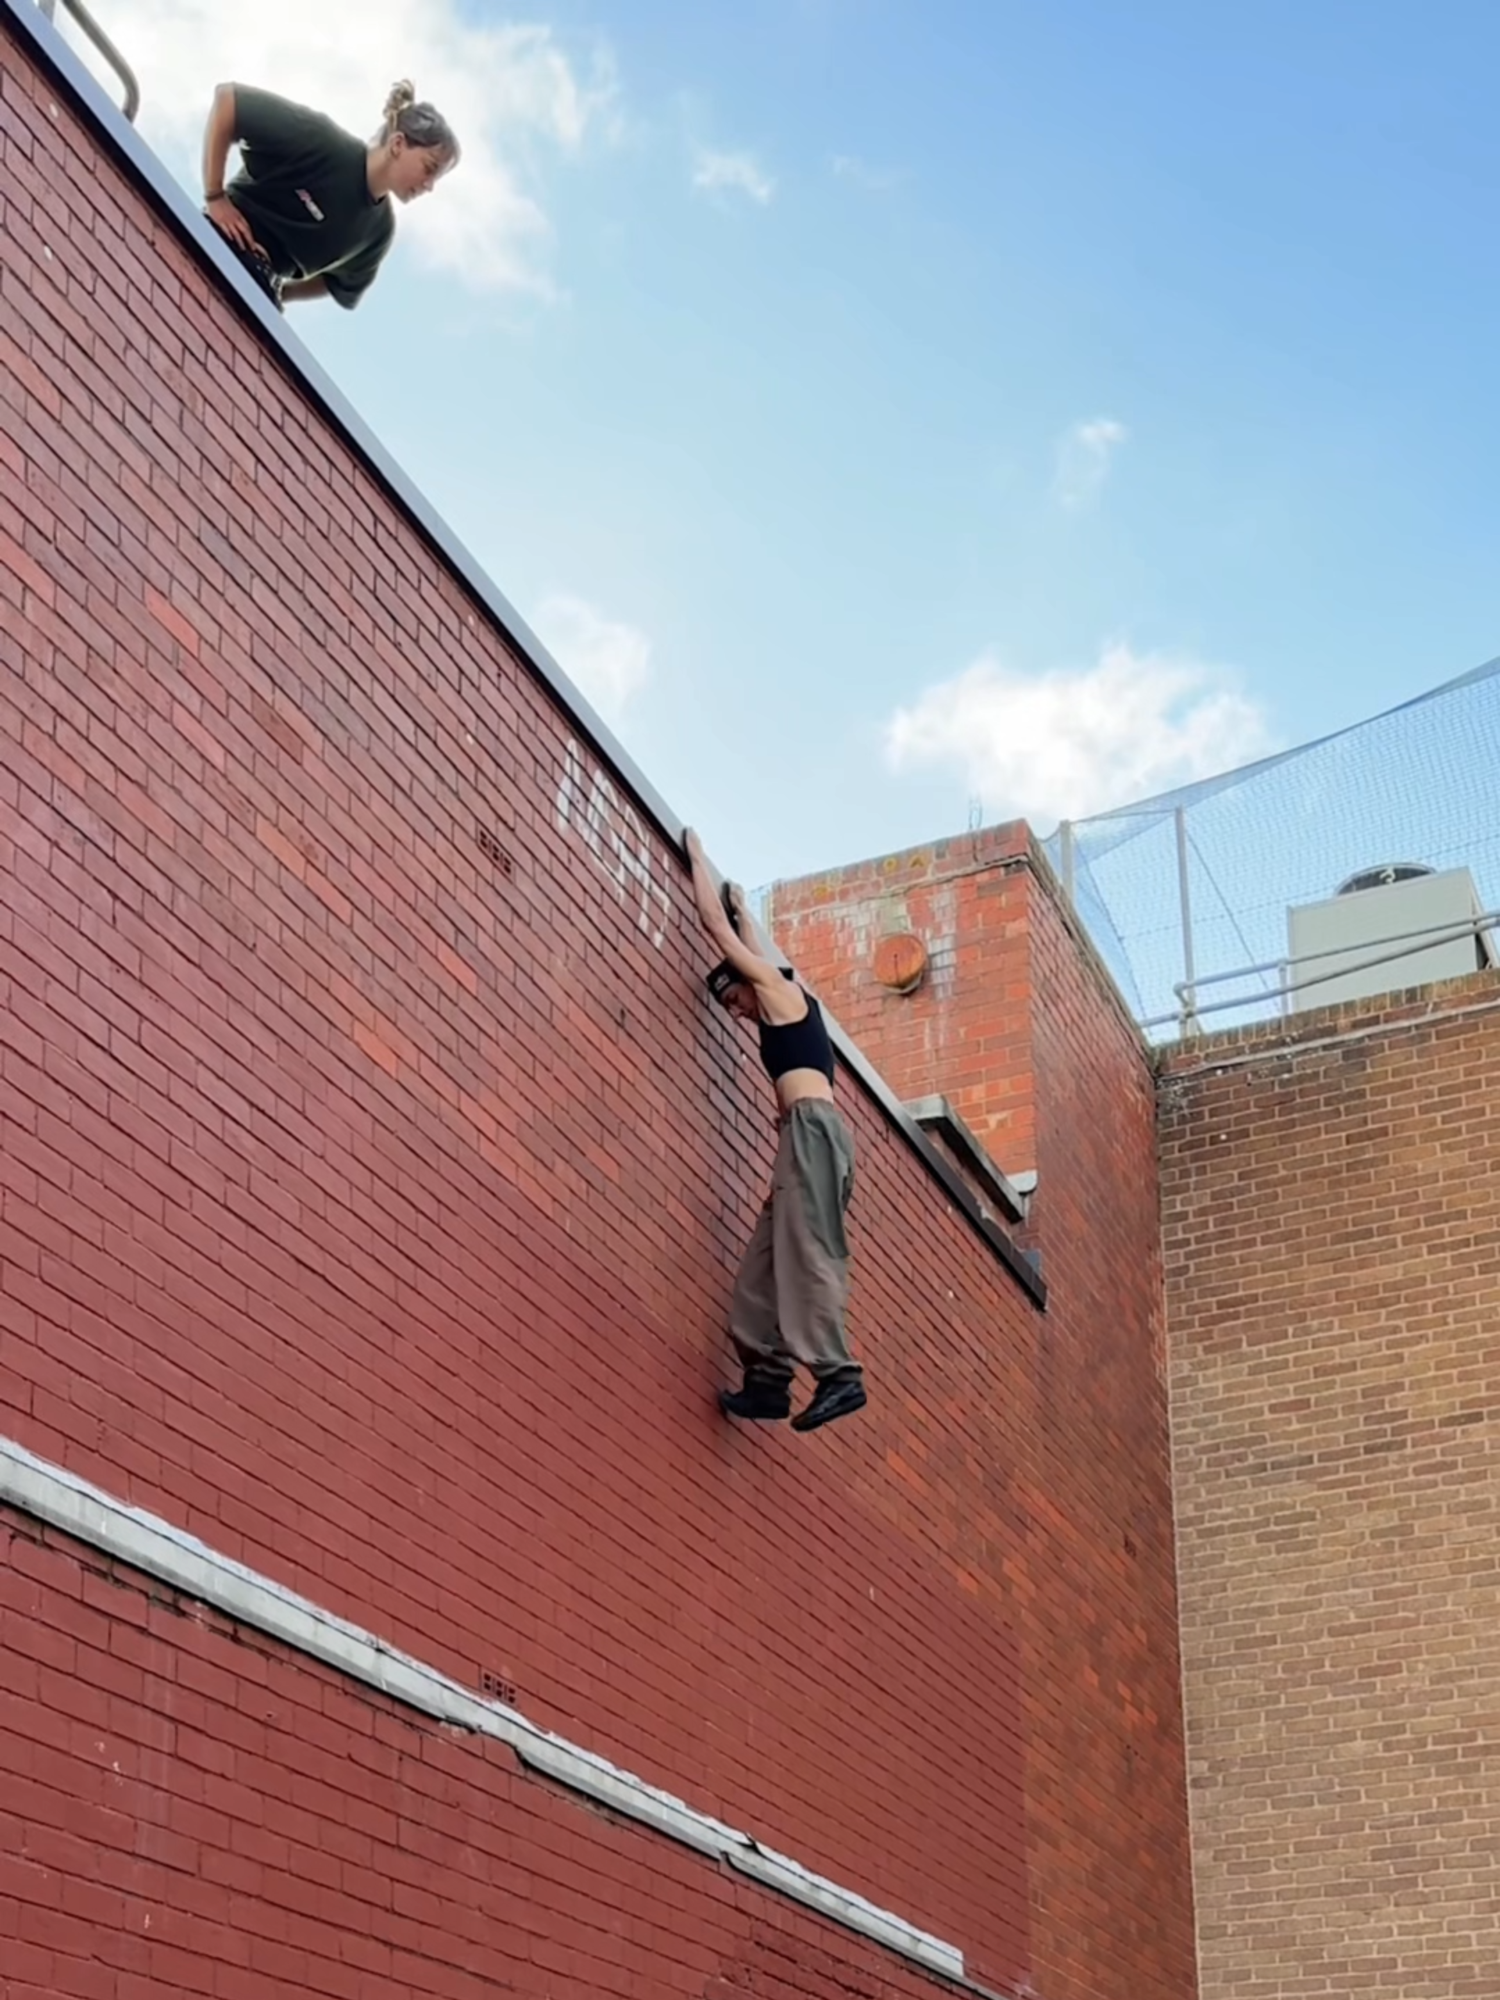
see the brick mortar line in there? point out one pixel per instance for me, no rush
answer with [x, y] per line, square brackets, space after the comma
[155, 1548]
[1033, 862]
[1196, 1807]
[1011, 864]
[1287, 1051]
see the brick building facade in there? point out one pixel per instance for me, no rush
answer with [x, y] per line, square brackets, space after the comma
[1331, 1209]
[1330, 1229]
[384, 1609]
[373, 1175]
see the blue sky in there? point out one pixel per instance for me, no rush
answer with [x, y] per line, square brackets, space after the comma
[886, 408]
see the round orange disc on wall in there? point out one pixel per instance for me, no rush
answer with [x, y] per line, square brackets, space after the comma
[900, 961]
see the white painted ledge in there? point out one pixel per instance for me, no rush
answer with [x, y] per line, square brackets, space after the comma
[159, 1550]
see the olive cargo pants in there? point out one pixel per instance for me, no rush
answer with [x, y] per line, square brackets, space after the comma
[793, 1282]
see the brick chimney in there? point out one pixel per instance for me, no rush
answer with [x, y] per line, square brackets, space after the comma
[926, 959]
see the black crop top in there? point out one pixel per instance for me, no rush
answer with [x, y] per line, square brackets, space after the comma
[800, 1044]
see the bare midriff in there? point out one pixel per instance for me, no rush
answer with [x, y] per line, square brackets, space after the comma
[800, 1084]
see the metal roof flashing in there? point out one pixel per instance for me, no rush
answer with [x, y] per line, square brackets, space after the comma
[936, 1114]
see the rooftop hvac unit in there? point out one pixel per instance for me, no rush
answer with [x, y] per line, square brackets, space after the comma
[1386, 928]
[1382, 878]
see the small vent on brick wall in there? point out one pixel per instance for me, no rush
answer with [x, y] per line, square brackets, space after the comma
[495, 1687]
[490, 848]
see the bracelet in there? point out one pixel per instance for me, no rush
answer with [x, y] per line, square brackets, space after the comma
[216, 195]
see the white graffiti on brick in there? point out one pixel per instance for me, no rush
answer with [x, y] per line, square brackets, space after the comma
[616, 836]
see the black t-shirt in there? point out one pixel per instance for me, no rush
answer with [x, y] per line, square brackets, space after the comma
[304, 189]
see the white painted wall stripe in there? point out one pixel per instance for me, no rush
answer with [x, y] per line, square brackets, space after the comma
[153, 1546]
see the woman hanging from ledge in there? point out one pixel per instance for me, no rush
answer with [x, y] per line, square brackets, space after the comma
[789, 1298]
[309, 213]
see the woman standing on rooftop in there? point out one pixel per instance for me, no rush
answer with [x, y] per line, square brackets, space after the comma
[309, 213]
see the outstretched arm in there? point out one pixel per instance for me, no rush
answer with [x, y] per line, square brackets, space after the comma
[743, 953]
[219, 135]
[745, 924]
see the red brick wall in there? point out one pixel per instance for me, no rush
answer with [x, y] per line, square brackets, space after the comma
[1017, 1024]
[371, 1204]
[969, 1022]
[1331, 1206]
[1103, 1450]
[187, 1810]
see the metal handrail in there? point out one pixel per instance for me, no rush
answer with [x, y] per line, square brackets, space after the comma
[1443, 933]
[106, 48]
[1412, 943]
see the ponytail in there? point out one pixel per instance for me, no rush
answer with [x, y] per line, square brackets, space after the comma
[418, 124]
[402, 94]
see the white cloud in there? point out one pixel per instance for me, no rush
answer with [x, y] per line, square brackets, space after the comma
[1084, 453]
[741, 172]
[1067, 744]
[512, 93]
[609, 661]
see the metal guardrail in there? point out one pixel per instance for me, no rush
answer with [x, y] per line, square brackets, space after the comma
[91, 28]
[1410, 943]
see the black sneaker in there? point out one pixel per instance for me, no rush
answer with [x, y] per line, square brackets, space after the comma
[758, 1402]
[838, 1396]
